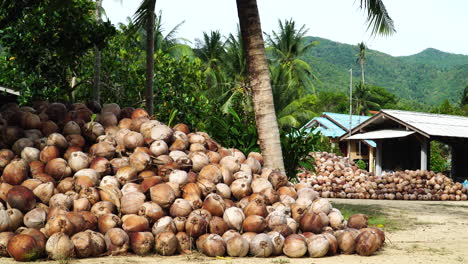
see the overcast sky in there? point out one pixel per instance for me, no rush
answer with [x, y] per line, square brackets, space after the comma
[420, 24]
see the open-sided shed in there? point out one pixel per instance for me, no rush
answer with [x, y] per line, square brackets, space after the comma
[403, 139]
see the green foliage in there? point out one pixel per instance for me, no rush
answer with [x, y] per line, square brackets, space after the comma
[332, 102]
[439, 157]
[179, 86]
[179, 89]
[371, 97]
[231, 130]
[464, 97]
[426, 78]
[298, 112]
[361, 164]
[296, 145]
[447, 108]
[291, 77]
[44, 43]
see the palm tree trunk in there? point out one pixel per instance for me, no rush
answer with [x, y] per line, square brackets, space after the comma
[97, 59]
[259, 77]
[150, 58]
[361, 62]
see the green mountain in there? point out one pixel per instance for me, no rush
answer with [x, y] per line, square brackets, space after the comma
[428, 77]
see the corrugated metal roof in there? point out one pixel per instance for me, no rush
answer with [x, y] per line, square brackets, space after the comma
[343, 119]
[329, 129]
[433, 124]
[326, 127]
[381, 134]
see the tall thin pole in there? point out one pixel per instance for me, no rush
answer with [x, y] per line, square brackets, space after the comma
[350, 99]
[350, 109]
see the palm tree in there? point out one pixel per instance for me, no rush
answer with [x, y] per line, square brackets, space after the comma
[211, 51]
[236, 71]
[168, 42]
[144, 17]
[97, 58]
[259, 79]
[361, 58]
[257, 65]
[364, 99]
[286, 47]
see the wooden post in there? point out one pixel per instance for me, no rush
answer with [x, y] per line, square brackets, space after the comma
[378, 158]
[371, 159]
[424, 154]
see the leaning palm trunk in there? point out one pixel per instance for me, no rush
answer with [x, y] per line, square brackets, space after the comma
[97, 59]
[259, 77]
[150, 58]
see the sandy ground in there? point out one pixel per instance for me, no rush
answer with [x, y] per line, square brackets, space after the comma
[428, 232]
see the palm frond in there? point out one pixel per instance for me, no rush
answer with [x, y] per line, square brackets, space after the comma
[378, 18]
[140, 18]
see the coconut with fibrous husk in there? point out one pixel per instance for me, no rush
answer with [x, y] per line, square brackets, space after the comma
[107, 222]
[166, 243]
[318, 246]
[213, 246]
[261, 246]
[15, 172]
[21, 198]
[36, 218]
[196, 225]
[141, 243]
[163, 195]
[152, 211]
[181, 208]
[117, 241]
[23, 248]
[4, 238]
[131, 202]
[357, 221]
[59, 246]
[295, 246]
[367, 242]
[135, 223]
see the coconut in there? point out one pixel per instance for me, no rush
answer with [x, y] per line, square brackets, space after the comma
[59, 246]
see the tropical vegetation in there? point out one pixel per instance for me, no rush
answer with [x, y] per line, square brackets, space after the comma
[215, 84]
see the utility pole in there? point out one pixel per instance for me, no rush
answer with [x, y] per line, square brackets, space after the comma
[350, 109]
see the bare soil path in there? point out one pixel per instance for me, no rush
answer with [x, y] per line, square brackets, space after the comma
[420, 232]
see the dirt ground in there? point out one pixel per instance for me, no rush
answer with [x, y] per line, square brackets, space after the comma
[422, 232]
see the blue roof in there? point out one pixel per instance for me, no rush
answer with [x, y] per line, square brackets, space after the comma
[332, 124]
[343, 119]
[326, 127]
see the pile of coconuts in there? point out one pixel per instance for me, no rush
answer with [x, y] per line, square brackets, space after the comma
[337, 177]
[83, 181]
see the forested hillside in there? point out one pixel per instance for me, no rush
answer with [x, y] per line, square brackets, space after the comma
[429, 77]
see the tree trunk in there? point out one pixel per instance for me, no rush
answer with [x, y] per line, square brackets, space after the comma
[259, 78]
[361, 62]
[150, 58]
[97, 59]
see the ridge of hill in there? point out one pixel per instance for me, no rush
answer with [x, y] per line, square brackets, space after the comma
[430, 76]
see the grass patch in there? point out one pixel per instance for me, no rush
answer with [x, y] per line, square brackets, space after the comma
[280, 261]
[376, 214]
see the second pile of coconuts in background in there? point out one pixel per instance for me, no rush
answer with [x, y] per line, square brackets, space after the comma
[75, 184]
[337, 177]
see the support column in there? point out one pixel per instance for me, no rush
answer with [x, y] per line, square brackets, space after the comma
[371, 159]
[424, 151]
[378, 158]
[349, 149]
